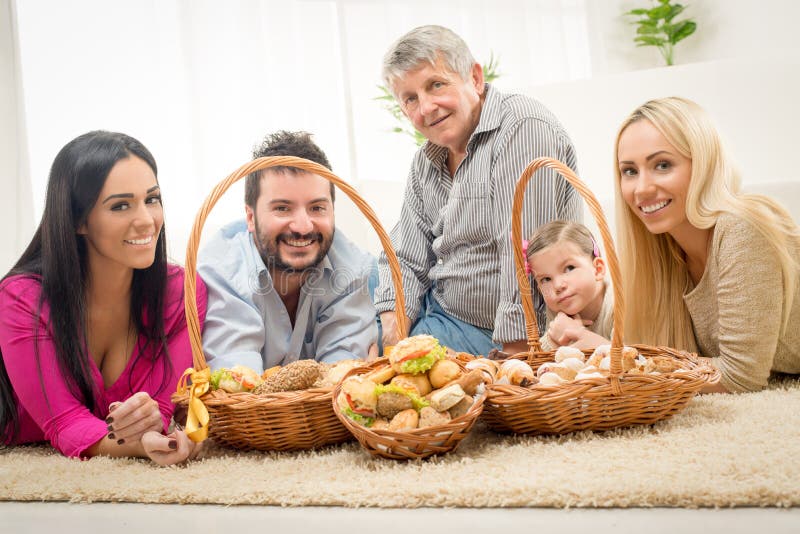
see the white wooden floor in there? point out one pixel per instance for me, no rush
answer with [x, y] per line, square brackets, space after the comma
[65, 518]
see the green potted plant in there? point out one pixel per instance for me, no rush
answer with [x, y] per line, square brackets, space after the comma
[657, 27]
[388, 102]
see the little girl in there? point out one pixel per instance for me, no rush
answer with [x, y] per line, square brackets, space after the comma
[566, 265]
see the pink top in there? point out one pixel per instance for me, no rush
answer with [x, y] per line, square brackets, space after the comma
[60, 417]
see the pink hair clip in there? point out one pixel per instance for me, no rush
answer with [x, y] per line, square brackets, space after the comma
[525, 256]
[596, 249]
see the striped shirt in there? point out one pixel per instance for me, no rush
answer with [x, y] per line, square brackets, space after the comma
[453, 235]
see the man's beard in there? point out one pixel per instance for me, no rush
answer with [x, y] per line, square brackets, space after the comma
[268, 247]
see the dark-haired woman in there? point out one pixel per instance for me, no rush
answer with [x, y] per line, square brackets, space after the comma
[93, 338]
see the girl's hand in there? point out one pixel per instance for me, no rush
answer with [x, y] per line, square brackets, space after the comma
[130, 420]
[565, 330]
[171, 449]
[589, 340]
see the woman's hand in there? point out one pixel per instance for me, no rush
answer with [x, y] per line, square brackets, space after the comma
[130, 420]
[171, 449]
[566, 330]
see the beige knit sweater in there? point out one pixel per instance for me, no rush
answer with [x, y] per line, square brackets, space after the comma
[736, 308]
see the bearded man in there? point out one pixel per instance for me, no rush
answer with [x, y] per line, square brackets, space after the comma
[284, 285]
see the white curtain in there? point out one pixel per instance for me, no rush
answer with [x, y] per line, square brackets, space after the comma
[16, 213]
[199, 82]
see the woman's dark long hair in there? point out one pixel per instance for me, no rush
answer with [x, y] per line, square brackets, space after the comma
[57, 257]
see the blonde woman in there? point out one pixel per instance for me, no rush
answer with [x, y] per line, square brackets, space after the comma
[705, 267]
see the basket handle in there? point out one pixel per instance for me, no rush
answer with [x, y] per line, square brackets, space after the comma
[190, 278]
[531, 328]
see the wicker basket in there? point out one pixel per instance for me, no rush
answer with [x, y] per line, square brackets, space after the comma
[590, 404]
[276, 421]
[410, 444]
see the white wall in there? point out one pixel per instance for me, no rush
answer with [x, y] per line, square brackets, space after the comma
[725, 29]
[751, 100]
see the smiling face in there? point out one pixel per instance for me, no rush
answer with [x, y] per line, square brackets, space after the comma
[440, 104]
[123, 226]
[569, 280]
[654, 178]
[292, 223]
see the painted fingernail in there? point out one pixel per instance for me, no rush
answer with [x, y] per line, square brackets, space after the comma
[109, 420]
[110, 428]
[111, 436]
[120, 441]
[172, 444]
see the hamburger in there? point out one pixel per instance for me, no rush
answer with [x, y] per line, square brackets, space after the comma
[395, 398]
[416, 354]
[358, 400]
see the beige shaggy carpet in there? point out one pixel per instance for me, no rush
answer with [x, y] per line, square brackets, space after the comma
[722, 451]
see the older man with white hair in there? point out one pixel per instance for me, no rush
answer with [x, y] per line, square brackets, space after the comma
[453, 235]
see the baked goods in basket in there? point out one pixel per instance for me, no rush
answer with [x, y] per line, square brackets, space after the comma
[430, 386]
[412, 419]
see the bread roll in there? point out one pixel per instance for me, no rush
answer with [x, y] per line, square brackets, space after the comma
[518, 373]
[295, 376]
[564, 352]
[381, 376]
[599, 353]
[419, 382]
[445, 398]
[405, 420]
[470, 381]
[430, 417]
[335, 373]
[573, 363]
[551, 379]
[461, 408]
[380, 424]
[488, 367]
[565, 373]
[442, 372]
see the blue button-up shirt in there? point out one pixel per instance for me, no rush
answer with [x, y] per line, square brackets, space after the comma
[248, 324]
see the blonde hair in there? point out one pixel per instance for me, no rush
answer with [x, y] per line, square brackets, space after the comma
[557, 231]
[654, 271]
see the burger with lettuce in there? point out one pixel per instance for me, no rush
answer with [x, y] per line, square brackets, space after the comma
[416, 354]
[358, 400]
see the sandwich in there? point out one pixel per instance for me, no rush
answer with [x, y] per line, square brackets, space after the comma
[357, 400]
[416, 354]
[237, 379]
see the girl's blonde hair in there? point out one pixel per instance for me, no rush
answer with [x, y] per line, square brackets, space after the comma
[558, 231]
[653, 267]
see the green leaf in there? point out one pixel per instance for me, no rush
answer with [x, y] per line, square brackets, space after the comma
[660, 12]
[648, 29]
[647, 40]
[674, 12]
[683, 30]
[637, 12]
